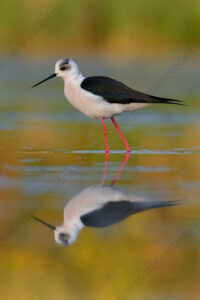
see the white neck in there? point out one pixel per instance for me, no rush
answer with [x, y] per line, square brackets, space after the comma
[73, 229]
[72, 75]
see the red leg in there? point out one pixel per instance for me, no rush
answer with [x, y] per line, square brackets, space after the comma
[105, 168]
[105, 135]
[121, 168]
[128, 149]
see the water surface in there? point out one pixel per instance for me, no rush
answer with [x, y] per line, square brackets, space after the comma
[50, 152]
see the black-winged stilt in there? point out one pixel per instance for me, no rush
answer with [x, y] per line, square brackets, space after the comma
[99, 207]
[101, 97]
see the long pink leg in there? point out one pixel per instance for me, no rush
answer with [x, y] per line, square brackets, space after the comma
[128, 149]
[105, 135]
[105, 169]
[121, 168]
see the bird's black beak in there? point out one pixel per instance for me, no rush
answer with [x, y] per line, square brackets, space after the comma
[46, 224]
[51, 76]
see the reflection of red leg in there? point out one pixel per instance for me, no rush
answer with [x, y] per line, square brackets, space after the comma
[105, 134]
[121, 168]
[105, 168]
[128, 149]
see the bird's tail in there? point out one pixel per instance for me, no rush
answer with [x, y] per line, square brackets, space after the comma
[140, 206]
[155, 99]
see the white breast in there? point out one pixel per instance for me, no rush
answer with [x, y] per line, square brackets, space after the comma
[88, 103]
[91, 198]
[92, 105]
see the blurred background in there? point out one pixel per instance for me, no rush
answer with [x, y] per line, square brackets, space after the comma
[108, 27]
[50, 152]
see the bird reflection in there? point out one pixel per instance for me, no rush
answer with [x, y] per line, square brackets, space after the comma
[100, 206]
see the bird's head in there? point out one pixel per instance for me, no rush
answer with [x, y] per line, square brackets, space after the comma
[65, 68]
[63, 234]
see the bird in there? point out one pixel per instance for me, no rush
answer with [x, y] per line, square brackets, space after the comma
[101, 97]
[99, 206]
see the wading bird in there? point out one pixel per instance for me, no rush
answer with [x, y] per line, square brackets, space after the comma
[101, 97]
[99, 206]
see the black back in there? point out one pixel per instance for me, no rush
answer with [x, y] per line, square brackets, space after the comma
[115, 211]
[114, 91]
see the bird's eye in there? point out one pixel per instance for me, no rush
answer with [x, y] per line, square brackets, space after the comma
[63, 68]
[63, 237]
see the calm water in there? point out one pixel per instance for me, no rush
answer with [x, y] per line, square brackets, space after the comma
[50, 152]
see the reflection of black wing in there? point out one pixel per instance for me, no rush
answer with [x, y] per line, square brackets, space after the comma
[114, 212]
[114, 91]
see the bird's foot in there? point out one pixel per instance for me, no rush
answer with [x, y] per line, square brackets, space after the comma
[128, 148]
[107, 150]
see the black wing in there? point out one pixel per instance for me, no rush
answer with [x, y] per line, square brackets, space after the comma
[114, 91]
[115, 211]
